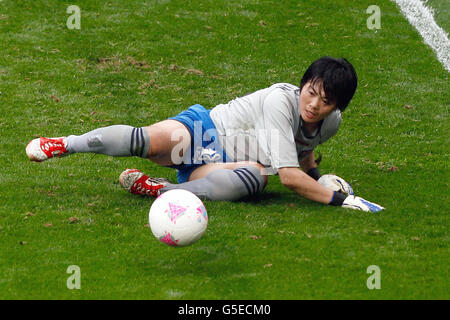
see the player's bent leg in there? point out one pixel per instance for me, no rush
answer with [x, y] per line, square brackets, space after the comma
[225, 181]
[206, 169]
[218, 181]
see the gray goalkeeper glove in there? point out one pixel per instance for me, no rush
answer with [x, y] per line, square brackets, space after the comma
[336, 183]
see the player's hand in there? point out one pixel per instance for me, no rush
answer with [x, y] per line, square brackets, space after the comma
[336, 183]
[358, 203]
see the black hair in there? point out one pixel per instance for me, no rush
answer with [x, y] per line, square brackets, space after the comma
[337, 77]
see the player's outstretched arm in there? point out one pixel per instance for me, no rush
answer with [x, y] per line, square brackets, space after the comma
[305, 186]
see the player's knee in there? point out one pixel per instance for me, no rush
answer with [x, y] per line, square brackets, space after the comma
[154, 133]
[261, 173]
[252, 177]
[169, 139]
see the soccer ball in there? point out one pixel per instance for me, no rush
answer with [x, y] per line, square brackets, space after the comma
[178, 218]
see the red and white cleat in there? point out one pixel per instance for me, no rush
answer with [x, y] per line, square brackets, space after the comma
[41, 149]
[136, 182]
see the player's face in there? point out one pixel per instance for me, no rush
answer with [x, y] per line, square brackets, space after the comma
[314, 106]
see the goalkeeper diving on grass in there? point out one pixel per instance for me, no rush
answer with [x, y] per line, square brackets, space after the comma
[227, 152]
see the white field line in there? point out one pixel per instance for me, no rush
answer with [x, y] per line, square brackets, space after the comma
[422, 19]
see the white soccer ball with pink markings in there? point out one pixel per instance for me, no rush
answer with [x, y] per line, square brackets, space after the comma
[178, 218]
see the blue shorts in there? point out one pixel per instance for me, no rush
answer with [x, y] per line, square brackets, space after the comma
[205, 146]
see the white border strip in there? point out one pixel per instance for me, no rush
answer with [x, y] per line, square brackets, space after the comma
[422, 19]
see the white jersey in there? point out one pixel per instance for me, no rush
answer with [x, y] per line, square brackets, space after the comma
[265, 126]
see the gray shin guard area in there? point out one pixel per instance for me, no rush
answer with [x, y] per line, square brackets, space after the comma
[117, 140]
[225, 184]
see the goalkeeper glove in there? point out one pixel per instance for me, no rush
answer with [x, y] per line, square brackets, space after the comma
[358, 203]
[336, 183]
[354, 202]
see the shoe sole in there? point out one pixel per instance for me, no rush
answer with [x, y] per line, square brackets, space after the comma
[122, 179]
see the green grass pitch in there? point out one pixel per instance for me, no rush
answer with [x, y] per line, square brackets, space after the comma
[136, 63]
